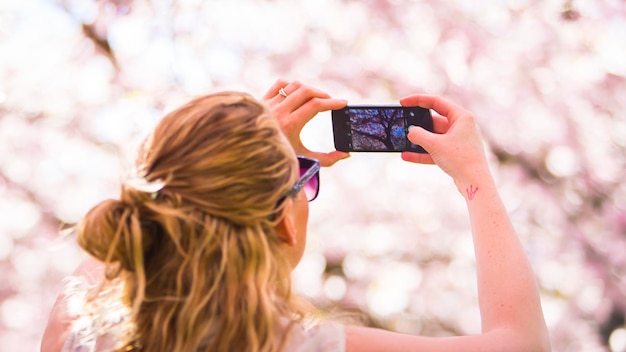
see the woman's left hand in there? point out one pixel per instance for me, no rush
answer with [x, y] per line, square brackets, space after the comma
[299, 104]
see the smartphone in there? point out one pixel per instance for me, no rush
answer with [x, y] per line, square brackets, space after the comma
[378, 128]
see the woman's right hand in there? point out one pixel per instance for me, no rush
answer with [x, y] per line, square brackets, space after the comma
[455, 146]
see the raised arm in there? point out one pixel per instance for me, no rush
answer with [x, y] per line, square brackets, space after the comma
[510, 308]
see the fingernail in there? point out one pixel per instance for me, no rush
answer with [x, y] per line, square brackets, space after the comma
[411, 127]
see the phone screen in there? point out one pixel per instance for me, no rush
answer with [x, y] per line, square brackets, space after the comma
[378, 128]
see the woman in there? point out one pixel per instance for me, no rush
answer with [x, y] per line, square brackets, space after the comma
[198, 254]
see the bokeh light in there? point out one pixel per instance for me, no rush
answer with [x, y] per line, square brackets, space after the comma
[83, 81]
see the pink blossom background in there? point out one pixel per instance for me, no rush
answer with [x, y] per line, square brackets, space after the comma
[81, 82]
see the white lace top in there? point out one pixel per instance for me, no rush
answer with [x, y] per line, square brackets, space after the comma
[99, 327]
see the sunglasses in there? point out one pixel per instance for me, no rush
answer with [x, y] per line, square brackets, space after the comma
[309, 178]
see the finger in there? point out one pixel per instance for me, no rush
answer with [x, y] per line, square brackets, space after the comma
[311, 108]
[418, 135]
[417, 158]
[284, 104]
[298, 95]
[316, 105]
[273, 90]
[329, 159]
[442, 106]
[326, 159]
[440, 124]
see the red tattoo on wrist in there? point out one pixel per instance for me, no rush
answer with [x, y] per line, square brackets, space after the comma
[471, 192]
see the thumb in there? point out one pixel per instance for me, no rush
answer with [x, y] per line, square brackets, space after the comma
[420, 136]
[329, 159]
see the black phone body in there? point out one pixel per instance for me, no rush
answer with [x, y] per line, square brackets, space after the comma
[378, 128]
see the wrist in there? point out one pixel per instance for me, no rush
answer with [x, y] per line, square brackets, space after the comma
[474, 184]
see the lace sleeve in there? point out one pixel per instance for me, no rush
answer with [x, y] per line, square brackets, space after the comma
[100, 320]
[329, 337]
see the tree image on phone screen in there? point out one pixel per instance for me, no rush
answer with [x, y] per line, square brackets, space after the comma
[378, 129]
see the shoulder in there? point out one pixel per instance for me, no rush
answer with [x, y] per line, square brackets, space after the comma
[327, 337]
[86, 313]
[57, 328]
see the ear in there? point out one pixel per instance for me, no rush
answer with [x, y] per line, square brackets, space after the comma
[285, 229]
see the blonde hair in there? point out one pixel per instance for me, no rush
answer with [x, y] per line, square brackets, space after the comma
[199, 259]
